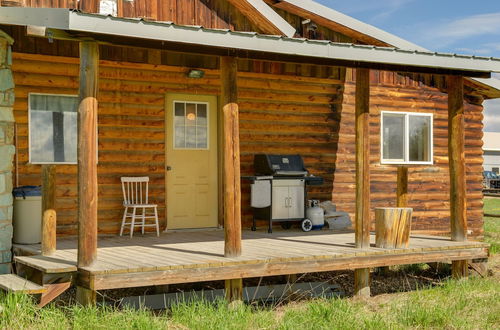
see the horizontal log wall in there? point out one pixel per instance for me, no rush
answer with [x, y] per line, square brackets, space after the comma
[278, 114]
[428, 186]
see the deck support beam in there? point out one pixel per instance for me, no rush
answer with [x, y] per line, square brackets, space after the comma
[234, 290]
[87, 155]
[362, 222]
[86, 297]
[456, 154]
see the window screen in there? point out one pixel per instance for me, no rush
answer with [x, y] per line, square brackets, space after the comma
[53, 128]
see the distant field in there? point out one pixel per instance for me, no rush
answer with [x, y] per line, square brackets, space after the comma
[492, 224]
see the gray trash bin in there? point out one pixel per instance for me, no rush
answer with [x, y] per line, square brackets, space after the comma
[27, 217]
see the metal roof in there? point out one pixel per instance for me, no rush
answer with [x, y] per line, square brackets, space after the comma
[248, 42]
[376, 33]
[354, 24]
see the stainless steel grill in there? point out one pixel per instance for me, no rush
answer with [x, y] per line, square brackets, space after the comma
[279, 189]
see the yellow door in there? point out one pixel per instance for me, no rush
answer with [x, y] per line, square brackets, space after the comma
[191, 160]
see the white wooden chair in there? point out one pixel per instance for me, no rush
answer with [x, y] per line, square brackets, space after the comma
[135, 197]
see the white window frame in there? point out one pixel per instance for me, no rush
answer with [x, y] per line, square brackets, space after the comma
[406, 160]
[29, 130]
[208, 124]
[77, 119]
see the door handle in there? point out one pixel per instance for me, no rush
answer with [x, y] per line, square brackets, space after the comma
[169, 168]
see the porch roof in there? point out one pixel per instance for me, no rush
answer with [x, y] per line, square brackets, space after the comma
[75, 25]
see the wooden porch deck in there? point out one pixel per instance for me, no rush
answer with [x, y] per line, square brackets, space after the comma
[181, 257]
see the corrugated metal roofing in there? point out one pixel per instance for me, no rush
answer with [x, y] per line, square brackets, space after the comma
[374, 32]
[246, 41]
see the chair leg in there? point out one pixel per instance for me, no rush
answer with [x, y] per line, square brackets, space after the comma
[132, 225]
[143, 219]
[157, 225]
[123, 220]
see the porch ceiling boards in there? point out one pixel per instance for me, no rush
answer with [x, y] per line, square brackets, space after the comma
[181, 257]
[66, 24]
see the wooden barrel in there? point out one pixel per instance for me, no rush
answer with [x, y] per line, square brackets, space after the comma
[392, 227]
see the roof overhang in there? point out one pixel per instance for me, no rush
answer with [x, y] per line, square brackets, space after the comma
[164, 35]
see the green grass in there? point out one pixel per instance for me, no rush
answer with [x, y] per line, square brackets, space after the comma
[491, 224]
[456, 304]
[470, 304]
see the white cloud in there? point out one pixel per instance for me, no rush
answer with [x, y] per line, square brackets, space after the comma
[470, 26]
[449, 32]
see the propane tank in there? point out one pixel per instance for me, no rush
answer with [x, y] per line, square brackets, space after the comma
[315, 214]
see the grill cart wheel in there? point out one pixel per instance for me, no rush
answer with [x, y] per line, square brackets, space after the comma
[286, 225]
[306, 225]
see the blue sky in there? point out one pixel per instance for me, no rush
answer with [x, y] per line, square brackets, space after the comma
[456, 26]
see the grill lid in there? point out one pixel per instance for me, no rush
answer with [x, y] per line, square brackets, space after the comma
[279, 165]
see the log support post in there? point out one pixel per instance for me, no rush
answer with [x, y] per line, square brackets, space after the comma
[48, 209]
[49, 222]
[232, 190]
[456, 151]
[87, 161]
[234, 290]
[362, 222]
[402, 187]
[85, 297]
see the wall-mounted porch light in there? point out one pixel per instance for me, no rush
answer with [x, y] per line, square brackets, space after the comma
[195, 73]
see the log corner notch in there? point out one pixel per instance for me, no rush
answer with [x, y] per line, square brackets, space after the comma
[231, 179]
[87, 161]
[456, 154]
[362, 222]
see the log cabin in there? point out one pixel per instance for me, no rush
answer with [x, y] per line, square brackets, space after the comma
[267, 76]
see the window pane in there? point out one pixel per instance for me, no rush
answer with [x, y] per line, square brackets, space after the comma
[190, 114]
[54, 103]
[42, 143]
[419, 138]
[202, 115]
[180, 137]
[393, 137]
[190, 137]
[179, 114]
[201, 137]
[70, 136]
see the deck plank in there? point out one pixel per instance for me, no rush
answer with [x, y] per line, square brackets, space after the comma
[184, 252]
[49, 265]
